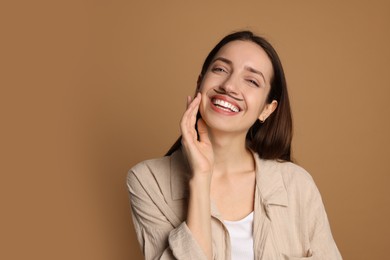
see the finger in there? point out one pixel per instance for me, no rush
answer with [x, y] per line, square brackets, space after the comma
[195, 101]
[189, 99]
[186, 118]
[192, 103]
[203, 132]
[195, 106]
[187, 125]
[189, 116]
[193, 114]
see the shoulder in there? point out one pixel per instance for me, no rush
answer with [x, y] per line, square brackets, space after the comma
[299, 184]
[292, 178]
[145, 171]
[150, 165]
[293, 174]
[159, 173]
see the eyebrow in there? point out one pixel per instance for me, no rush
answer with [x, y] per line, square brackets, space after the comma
[248, 68]
[255, 71]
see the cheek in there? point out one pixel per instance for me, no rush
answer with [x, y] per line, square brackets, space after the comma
[258, 106]
[202, 88]
[209, 81]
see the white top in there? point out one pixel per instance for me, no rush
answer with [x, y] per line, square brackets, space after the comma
[241, 237]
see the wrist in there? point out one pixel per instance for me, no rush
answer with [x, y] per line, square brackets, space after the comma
[200, 180]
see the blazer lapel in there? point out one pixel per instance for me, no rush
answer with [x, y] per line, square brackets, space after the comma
[179, 175]
[270, 191]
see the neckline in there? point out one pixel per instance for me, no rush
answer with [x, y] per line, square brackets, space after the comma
[248, 217]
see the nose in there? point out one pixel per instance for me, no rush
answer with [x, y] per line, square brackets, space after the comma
[230, 85]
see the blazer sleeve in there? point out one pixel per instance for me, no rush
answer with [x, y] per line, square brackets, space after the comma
[322, 244]
[157, 236]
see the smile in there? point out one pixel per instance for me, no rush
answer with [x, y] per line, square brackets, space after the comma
[224, 105]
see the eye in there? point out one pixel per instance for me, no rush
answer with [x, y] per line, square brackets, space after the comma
[253, 82]
[219, 69]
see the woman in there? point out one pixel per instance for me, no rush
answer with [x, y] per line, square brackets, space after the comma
[227, 189]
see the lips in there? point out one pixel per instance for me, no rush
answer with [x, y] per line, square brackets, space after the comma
[224, 104]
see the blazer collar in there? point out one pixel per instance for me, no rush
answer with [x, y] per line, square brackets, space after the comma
[269, 182]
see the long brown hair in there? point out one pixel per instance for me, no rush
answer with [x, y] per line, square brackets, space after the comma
[272, 138]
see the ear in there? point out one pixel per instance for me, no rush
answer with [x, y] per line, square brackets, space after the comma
[268, 110]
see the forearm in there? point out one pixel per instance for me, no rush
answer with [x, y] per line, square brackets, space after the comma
[199, 213]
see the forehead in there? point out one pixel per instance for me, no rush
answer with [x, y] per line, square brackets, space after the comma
[247, 53]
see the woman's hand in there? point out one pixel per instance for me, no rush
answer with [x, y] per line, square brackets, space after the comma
[199, 152]
[200, 156]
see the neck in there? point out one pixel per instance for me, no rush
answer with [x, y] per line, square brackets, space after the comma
[230, 153]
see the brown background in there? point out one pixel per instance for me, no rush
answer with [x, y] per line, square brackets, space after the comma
[89, 88]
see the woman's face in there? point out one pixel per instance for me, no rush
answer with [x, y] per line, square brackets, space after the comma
[235, 87]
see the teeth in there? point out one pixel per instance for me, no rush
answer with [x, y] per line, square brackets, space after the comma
[225, 104]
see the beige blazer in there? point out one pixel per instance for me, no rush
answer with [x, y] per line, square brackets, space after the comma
[290, 221]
